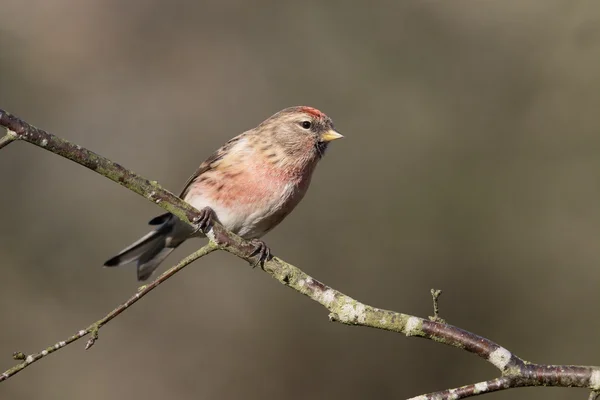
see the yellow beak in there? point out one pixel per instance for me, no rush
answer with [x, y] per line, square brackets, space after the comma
[330, 135]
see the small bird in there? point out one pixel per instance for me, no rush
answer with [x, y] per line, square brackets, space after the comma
[251, 184]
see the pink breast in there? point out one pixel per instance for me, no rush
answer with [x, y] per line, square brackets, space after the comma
[256, 185]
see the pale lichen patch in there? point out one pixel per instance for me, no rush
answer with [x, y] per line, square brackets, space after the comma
[211, 235]
[595, 380]
[29, 359]
[421, 397]
[347, 310]
[452, 394]
[44, 352]
[481, 387]
[328, 297]
[353, 311]
[301, 283]
[413, 326]
[81, 333]
[500, 358]
[360, 313]
[44, 142]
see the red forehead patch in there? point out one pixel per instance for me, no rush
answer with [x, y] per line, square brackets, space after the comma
[312, 111]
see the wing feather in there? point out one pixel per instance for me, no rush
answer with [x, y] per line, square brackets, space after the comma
[210, 163]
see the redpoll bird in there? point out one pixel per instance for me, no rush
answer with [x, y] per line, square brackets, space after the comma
[251, 184]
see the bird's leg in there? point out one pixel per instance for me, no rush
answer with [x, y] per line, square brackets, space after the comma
[205, 219]
[261, 252]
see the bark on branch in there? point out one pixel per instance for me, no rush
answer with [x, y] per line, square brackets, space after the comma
[514, 371]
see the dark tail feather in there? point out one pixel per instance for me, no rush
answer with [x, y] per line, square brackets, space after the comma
[149, 252]
[136, 250]
[161, 219]
[150, 260]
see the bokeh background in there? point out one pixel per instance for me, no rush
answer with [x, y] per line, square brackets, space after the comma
[471, 164]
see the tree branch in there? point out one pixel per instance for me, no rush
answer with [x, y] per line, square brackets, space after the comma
[95, 327]
[469, 390]
[515, 372]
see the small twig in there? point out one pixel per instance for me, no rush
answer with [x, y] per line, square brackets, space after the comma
[8, 138]
[463, 392]
[93, 328]
[93, 337]
[435, 294]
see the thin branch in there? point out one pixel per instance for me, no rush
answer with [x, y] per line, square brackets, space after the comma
[463, 392]
[151, 190]
[95, 327]
[435, 295]
[8, 138]
[515, 372]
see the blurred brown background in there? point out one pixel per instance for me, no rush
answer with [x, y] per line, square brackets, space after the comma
[471, 164]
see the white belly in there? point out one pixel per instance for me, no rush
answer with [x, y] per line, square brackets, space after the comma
[253, 220]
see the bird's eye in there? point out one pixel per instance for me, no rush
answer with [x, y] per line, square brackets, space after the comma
[305, 124]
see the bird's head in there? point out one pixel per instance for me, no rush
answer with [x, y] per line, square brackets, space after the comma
[302, 132]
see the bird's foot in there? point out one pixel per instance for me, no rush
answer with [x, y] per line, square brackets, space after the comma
[204, 221]
[261, 252]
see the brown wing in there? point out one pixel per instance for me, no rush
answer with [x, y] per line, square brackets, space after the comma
[210, 163]
[207, 165]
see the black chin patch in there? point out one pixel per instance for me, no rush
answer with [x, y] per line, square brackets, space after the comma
[321, 147]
